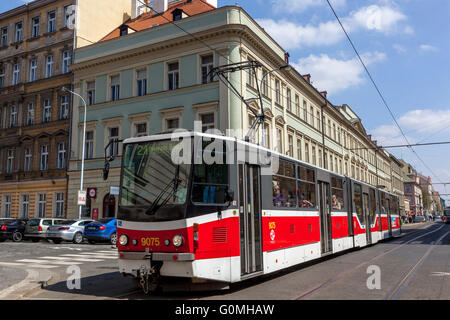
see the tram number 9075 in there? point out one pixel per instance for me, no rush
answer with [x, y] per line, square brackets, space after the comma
[150, 242]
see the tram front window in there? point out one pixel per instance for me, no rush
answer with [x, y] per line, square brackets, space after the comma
[154, 188]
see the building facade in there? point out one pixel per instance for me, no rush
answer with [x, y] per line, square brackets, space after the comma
[413, 191]
[149, 76]
[36, 50]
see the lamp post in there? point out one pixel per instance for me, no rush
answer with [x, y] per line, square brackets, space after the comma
[285, 67]
[84, 143]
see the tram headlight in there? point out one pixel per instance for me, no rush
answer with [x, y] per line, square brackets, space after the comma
[177, 240]
[123, 240]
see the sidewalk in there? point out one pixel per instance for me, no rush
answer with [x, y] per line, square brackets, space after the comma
[17, 283]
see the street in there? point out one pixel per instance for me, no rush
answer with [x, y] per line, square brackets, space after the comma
[413, 266]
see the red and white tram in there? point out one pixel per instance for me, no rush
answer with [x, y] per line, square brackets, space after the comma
[203, 222]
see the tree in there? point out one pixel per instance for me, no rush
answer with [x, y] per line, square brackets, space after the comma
[426, 199]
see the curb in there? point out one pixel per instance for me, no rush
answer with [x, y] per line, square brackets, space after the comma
[31, 284]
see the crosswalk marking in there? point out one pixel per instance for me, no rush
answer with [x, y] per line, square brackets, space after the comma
[41, 266]
[11, 264]
[100, 254]
[32, 261]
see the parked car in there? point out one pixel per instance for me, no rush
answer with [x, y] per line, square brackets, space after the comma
[12, 229]
[36, 229]
[102, 230]
[70, 230]
[420, 219]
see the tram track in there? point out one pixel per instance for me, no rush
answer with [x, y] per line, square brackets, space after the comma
[369, 262]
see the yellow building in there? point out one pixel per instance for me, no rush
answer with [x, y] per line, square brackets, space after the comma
[36, 48]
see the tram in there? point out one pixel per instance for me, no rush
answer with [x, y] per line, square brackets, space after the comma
[204, 211]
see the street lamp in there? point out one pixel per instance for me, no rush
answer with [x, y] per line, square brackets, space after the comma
[285, 67]
[84, 143]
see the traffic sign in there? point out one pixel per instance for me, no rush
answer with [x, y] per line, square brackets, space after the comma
[92, 193]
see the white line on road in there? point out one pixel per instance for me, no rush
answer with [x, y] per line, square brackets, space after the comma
[41, 266]
[33, 261]
[11, 264]
[88, 256]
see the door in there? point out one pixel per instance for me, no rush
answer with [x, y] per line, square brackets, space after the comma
[325, 217]
[388, 210]
[109, 206]
[367, 217]
[250, 219]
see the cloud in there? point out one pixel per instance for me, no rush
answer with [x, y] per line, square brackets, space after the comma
[296, 6]
[334, 75]
[375, 18]
[428, 48]
[399, 48]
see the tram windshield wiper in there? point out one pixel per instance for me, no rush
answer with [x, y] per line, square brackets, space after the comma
[175, 182]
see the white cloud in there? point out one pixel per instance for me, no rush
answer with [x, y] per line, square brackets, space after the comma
[399, 48]
[428, 48]
[389, 135]
[334, 75]
[290, 35]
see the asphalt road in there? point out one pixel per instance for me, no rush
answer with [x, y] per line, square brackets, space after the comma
[413, 266]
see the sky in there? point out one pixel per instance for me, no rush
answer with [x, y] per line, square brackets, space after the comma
[404, 44]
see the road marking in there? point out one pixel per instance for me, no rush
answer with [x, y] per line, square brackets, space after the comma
[100, 254]
[440, 274]
[33, 261]
[11, 264]
[88, 256]
[413, 269]
[54, 258]
[42, 266]
[65, 263]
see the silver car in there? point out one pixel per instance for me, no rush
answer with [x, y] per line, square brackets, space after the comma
[71, 230]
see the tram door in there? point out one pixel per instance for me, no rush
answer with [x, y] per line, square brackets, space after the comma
[250, 219]
[367, 218]
[325, 217]
[388, 210]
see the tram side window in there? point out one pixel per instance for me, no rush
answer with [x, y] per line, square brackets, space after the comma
[337, 194]
[394, 208]
[211, 180]
[357, 198]
[283, 192]
[383, 203]
[372, 206]
[306, 187]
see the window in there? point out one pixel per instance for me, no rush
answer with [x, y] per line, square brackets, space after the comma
[297, 106]
[13, 117]
[28, 156]
[337, 193]
[2, 77]
[283, 186]
[115, 88]
[42, 198]
[47, 111]
[311, 111]
[318, 120]
[265, 84]
[61, 163]
[277, 91]
[4, 37]
[123, 31]
[331, 162]
[305, 112]
[299, 149]
[279, 140]
[251, 76]
[140, 129]
[18, 33]
[172, 124]
[291, 145]
[49, 66]
[33, 70]
[30, 114]
[288, 100]
[64, 109]
[89, 148]
[207, 65]
[43, 166]
[7, 206]
[306, 187]
[313, 153]
[113, 134]
[320, 159]
[59, 209]
[334, 132]
[25, 207]
[306, 152]
[173, 76]
[16, 74]
[68, 16]
[207, 121]
[51, 19]
[66, 62]
[10, 161]
[35, 27]
[90, 86]
[141, 78]
[329, 128]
